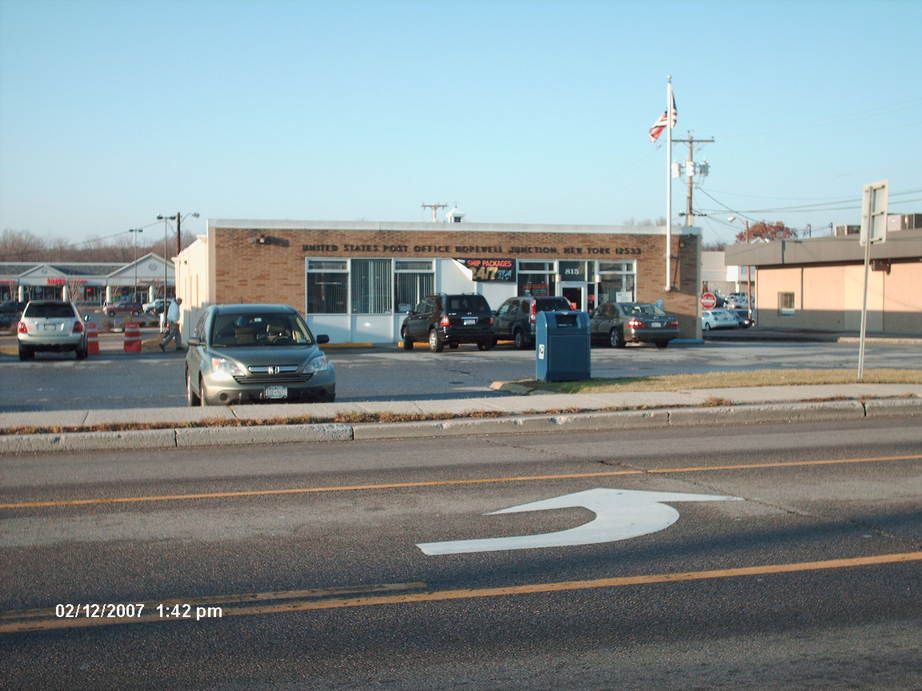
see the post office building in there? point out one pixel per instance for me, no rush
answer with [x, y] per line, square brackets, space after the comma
[356, 281]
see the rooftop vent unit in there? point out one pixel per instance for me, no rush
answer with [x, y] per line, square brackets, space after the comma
[904, 221]
[455, 215]
[842, 231]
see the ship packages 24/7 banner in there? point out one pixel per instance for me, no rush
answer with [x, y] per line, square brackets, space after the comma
[490, 269]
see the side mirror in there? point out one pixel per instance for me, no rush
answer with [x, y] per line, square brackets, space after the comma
[322, 338]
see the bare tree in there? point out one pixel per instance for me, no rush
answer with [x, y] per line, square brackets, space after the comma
[20, 245]
[23, 246]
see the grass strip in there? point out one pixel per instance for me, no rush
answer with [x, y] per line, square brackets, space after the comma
[723, 380]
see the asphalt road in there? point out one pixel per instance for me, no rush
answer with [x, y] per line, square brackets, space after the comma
[808, 577]
[149, 380]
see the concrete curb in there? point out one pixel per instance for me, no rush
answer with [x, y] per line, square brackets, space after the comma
[769, 412]
[515, 424]
[270, 434]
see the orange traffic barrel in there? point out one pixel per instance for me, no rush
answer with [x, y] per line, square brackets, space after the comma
[132, 337]
[92, 338]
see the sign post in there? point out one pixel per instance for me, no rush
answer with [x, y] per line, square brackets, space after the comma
[873, 231]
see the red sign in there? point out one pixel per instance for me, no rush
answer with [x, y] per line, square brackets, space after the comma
[709, 301]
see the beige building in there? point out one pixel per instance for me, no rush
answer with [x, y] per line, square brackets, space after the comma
[819, 283]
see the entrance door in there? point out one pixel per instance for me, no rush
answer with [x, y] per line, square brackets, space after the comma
[575, 293]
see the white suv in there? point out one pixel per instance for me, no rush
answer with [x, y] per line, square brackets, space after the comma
[50, 325]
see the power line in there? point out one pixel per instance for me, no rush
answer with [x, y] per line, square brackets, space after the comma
[803, 210]
[74, 245]
[853, 203]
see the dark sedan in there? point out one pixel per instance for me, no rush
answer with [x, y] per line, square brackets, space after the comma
[744, 318]
[619, 323]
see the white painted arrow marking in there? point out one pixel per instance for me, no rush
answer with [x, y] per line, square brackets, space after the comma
[620, 514]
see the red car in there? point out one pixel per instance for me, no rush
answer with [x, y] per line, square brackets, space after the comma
[122, 307]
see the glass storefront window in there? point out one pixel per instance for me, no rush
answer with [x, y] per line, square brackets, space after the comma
[371, 286]
[537, 278]
[413, 281]
[327, 286]
[616, 280]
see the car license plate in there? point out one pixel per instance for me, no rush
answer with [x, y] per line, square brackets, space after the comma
[470, 321]
[656, 325]
[276, 392]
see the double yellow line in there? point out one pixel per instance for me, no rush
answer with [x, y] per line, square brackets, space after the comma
[448, 483]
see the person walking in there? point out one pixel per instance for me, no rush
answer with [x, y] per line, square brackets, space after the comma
[172, 325]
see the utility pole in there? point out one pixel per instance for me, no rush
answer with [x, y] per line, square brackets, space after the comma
[178, 232]
[435, 210]
[690, 172]
[178, 218]
[134, 232]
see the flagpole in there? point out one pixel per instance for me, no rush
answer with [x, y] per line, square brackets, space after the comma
[668, 183]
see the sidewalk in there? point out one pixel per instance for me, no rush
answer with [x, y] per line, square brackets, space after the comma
[84, 430]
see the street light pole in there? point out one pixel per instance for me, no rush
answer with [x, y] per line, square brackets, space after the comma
[166, 253]
[134, 232]
[178, 217]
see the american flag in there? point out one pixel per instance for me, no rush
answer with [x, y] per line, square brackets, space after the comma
[662, 122]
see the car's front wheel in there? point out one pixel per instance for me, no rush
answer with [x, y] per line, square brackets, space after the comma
[486, 345]
[520, 341]
[435, 345]
[191, 398]
[662, 344]
[202, 393]
[407, 341]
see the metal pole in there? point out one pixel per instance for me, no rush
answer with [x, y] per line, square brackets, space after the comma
[864, 304]
[134, 291]
[749, 296]
[669, 183]
[166, 253]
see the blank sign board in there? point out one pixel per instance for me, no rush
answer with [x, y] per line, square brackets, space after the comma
[874, 213]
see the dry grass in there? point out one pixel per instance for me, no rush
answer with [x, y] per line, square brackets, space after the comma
[354, 418]
[721, 380]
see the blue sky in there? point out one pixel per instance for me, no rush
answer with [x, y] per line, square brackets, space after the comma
[114, 111]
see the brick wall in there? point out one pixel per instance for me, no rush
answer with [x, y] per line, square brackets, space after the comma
[246, 271]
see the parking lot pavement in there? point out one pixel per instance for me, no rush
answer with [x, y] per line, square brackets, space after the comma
[387, 380]
[758, 333]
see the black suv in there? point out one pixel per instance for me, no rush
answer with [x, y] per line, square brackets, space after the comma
[10, 312]
[451, 319]
[516, 317]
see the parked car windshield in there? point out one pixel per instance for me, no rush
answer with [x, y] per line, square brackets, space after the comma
[49, 310]
[269, 329]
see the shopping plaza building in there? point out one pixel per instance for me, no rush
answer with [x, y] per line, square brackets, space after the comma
[356, 281]
[87, 283]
